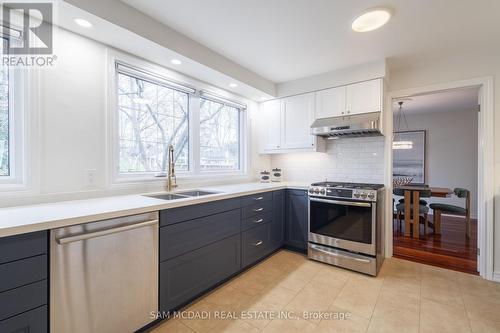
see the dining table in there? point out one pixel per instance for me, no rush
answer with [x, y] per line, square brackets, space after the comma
[438, 192]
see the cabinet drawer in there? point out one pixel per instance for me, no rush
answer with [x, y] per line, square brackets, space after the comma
[256, 198]
[257, 209]
[22, 299]
[188, 275]
[191, 235]
[34, 321]
[176, 215]
[256, 221]
[21, 272]
[23, 246]
[255, 244]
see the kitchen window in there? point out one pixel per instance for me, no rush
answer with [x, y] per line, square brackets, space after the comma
[151, 116]
[219, 136]
[153, 112]
[4, 119]
[13, 98]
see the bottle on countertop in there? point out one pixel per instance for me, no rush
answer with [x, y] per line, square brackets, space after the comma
[276, 175]
[265, 176]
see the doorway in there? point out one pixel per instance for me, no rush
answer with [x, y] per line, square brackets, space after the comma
[435, 154]
[485, 165]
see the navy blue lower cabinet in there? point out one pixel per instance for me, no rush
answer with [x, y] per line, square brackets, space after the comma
[187, 276]
[296, 219]
[23, 246]
[255, 244]
[180, 238]
[278, 222]
[185, 213]
[22, 272]
[33, 321]
[16, 301]
[24, 283]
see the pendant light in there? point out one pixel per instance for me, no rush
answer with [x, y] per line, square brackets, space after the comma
[400, 144]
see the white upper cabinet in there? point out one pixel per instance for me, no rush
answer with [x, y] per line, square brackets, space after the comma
[330, 102]
[271, 113]
[297, 115]
[364, 97]
[287, 121]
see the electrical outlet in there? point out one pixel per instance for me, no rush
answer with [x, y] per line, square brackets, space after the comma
[90, 178]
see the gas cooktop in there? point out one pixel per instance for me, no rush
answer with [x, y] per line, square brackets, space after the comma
[340, 190]
[353, 186]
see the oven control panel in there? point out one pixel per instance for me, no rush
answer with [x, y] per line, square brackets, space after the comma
[344, 193]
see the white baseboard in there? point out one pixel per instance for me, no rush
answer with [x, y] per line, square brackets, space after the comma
[496, 276]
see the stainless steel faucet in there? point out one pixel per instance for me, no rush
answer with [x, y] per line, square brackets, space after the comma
[171, 178]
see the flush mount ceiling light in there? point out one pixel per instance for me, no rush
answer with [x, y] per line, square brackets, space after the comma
[233, 85]
[83, 23]
[371, 19]
[176, 61]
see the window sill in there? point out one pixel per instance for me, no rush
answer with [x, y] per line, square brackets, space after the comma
[185, 181]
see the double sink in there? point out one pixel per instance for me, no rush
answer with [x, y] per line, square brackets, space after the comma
[181, 195]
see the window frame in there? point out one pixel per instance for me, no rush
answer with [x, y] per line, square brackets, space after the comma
[17, 133]
[241, 135]
[194, 173]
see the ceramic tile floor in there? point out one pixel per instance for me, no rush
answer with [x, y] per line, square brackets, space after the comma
[287, 292]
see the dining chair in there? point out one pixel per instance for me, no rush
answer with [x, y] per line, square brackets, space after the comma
[423, 208]
[401, 191]
[440, 208]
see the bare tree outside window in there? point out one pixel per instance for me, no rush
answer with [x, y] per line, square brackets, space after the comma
[4, 118]
[219, 136]
[151, 117]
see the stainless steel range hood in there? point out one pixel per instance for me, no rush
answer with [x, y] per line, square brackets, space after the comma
[367, 124]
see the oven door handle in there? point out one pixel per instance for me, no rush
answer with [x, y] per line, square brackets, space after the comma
[343, 203]
[333, 254]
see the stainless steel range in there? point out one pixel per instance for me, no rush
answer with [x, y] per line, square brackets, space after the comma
[345, 225]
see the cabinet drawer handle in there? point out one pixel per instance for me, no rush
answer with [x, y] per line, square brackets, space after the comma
[258, 221]
[258, 209]
[258, 198]
[258, 243]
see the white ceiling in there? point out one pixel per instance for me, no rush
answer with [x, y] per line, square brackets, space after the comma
[443, 101]
[284, 40]
[125, 40]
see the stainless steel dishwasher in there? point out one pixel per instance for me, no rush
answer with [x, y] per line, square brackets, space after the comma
[104, 275]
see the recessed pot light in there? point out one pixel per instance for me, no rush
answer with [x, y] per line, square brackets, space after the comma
[176, 61]
[371, 19]
[83, 23]
[233, 85]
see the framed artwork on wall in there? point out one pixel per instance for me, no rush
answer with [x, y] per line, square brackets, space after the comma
[409, 155]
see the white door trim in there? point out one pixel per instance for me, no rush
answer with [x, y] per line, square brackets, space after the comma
[486, 166]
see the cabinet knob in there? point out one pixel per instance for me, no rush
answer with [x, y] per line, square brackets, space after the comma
[348, 112]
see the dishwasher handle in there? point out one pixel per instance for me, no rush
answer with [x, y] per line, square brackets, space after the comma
[94, 234]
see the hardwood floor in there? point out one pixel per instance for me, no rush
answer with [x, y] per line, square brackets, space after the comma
[449, 250]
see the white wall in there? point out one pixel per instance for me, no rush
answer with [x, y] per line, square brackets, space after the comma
[341, 77]
[451, 151]
[73, 129]
[345, 160]
[441, 70]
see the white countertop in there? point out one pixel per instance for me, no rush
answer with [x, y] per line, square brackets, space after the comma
[24, 219]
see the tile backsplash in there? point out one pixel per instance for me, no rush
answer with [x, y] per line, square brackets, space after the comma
[348, 160]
